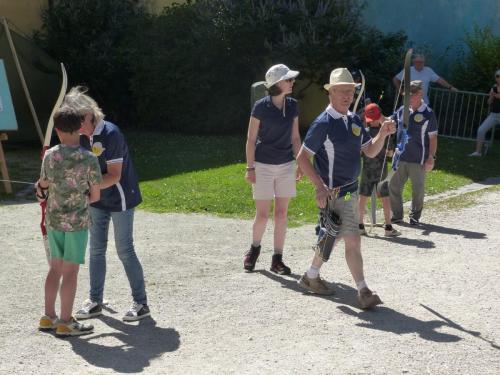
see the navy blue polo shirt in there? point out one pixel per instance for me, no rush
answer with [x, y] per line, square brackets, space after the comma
[336, 141]
[109, 145]
[422, 125]
[274, 140]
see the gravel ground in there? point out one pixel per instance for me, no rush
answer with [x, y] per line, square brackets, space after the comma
[439, 283]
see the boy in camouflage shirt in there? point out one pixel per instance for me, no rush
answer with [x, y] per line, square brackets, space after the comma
[72, 176]
[373, 168]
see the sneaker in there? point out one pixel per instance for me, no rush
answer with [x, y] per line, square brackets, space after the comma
[73, 328]
[317, 285]
[475, 154]
[277, 265]
[251, 258]
[138, 311]
[395, 220]
[89, 309]
[362, 230]
[391, 232]
[414, 221]
[47, 323]
[367, 299]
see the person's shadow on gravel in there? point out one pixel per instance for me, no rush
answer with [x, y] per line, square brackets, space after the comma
[386, 319]
[421, 244]
[430, 228]
[343, 294]
[139, 345]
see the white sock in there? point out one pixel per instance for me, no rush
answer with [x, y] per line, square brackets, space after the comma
[256, 243]
[313, 272]
[361, 285]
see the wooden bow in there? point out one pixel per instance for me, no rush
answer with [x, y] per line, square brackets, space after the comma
[46, 145]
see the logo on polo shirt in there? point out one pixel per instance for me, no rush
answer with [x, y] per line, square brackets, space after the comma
[418, 117]
[356, 130]
[97, 149]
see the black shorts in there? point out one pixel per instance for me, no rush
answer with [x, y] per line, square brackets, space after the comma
[370, 178]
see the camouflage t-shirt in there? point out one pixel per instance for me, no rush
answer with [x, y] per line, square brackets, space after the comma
[70, 170]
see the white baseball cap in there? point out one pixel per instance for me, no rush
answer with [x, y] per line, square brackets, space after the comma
[279, 72]
[340, 76]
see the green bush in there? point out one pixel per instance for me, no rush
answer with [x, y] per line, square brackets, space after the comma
[189, 69]
[90, 37]
[194, 64]
[476, 66]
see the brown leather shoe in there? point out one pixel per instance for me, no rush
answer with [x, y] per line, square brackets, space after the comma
[316, 285]
[367, 299]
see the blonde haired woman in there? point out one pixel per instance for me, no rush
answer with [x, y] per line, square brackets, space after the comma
[120, 195]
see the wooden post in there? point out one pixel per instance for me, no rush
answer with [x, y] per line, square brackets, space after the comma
[3, 166]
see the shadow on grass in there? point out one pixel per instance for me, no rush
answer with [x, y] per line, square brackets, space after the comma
[160, 155]
[453, 159]
[139, 345]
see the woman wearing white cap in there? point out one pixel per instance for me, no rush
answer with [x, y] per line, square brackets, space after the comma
[493, 118]
[273, 143]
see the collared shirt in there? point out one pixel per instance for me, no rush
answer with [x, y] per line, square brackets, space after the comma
[426, 75]
[421, 127]
[274, 140]
[70, 170]
[336, 140]
[108, 144]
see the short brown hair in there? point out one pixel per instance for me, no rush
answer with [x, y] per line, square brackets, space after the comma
[274, 90]
[67, 119]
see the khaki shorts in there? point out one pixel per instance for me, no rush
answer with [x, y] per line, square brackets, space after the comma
[274, 181]
[348, 212]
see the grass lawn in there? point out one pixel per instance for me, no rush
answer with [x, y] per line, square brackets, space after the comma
[206, 174]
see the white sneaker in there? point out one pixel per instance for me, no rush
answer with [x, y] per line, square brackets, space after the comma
[475, 154]
[89, 309]
[137, 311]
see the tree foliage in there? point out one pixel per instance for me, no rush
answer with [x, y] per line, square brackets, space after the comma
[91, 38]
[477, 64]
[190, 68]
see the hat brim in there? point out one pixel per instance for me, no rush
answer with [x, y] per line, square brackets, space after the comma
[328, 86]
[371, 119]
[288, 75]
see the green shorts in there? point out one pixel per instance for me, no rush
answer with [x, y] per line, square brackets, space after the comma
[68, 246]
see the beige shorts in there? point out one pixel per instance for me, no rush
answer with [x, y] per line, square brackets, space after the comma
[274, 181]
[348, 212]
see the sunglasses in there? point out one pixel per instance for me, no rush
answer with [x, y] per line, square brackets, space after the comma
[497, 75]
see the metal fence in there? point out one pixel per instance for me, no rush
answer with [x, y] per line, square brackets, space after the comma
[460, 113]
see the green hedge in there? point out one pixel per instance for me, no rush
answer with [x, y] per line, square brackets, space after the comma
[189, 69]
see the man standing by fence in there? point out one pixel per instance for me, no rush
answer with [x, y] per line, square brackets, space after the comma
[422, 73]
[418, 155]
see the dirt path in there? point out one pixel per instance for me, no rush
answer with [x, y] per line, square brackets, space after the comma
[440, 284]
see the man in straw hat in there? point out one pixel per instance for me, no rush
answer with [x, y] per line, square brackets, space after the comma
[335, 140]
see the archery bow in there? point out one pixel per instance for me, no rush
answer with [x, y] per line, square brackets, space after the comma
[403, 132]
[46, 145]
[361, 92]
